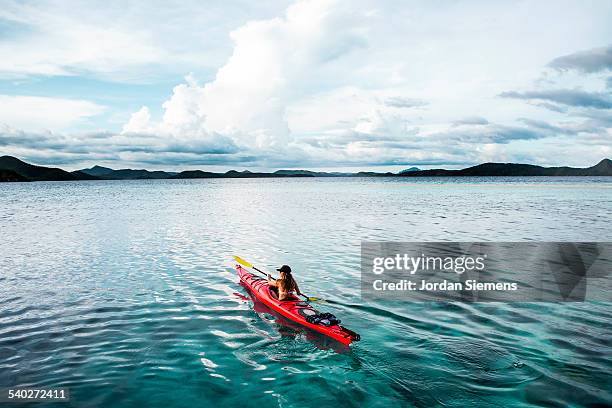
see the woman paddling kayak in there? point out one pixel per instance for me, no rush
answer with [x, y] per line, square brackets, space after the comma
[285, 284]
[292, 308]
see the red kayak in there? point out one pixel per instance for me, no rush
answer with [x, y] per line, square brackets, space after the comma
[294, 309]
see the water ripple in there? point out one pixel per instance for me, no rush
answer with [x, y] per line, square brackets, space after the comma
[125, 293]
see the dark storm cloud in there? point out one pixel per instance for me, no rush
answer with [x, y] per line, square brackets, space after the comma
[569, 97]
[589, 61]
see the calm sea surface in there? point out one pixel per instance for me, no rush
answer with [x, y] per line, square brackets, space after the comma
[124, 292]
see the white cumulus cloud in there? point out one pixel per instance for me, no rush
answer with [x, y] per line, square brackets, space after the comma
[273, 64]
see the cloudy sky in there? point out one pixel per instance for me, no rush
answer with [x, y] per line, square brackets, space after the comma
[309, 84]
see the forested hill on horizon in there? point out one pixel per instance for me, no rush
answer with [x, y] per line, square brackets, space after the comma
[14, 169]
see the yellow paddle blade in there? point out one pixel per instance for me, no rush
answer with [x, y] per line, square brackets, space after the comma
[243, 262]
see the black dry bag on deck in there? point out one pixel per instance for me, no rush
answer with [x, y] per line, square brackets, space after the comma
[323, 319]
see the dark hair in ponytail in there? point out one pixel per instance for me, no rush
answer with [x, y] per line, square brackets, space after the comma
[287, 282]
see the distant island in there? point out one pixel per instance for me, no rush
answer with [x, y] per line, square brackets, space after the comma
[14, 170]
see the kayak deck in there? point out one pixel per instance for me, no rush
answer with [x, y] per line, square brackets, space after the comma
[294, 309]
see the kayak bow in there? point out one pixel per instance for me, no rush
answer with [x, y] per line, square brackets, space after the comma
[293, 309]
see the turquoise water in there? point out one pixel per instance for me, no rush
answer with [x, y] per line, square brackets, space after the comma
[124, 292]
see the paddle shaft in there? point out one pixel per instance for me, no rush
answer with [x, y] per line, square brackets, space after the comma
[260, 271]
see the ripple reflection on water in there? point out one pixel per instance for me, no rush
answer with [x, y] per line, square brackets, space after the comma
[125, 292]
